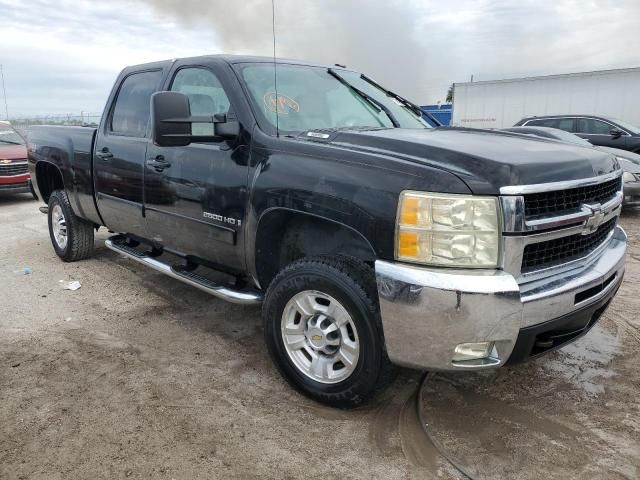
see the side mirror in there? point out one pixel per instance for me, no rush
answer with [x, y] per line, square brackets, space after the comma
[615, 133]
[171, 122]
[167, 106]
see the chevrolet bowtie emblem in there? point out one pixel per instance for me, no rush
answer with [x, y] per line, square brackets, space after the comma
[5, 160]
[594, 221]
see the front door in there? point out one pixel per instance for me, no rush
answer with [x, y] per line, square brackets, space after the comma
[120, 153]
[195, 195]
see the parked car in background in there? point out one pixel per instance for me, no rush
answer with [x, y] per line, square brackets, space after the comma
[629, 161]
[602, 131]
[14, 171]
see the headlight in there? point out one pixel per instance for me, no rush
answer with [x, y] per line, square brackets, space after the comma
[628, 177]
[448, 230]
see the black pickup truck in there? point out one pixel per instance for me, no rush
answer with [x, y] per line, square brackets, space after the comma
[370, 238]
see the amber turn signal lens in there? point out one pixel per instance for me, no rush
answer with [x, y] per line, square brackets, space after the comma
[408, 244]
[409, 211]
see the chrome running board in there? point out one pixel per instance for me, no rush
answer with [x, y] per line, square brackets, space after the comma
[234, 296]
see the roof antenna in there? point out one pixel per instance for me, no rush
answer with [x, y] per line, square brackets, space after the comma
[275, 75]
[4, 92]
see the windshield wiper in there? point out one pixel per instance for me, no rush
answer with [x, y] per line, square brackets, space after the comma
[414, 108]
[9, 142]
[378, 106]
[408, 104]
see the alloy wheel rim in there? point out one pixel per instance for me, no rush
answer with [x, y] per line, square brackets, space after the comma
[59, 227]
[320, 337]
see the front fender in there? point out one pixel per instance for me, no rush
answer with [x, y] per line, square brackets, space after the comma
[357, 190]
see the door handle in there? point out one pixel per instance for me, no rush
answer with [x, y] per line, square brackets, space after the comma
[104, 154]
[158, 163]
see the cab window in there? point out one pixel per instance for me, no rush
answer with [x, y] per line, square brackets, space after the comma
[206, 95]
[131, 112]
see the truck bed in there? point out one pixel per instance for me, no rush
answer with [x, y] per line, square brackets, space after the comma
[70, 149]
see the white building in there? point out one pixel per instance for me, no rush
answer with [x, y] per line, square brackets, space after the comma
[501, 103]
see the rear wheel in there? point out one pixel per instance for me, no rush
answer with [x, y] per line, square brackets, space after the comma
[323, 330]
[71, 236]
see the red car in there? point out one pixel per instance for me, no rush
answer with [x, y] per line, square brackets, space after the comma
[14, 174]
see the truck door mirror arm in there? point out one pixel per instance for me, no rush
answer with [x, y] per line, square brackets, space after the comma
[171, 122]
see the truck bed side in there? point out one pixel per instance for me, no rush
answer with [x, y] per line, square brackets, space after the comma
[62, 157]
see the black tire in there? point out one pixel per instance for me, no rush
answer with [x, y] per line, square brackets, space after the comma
[79, 244]
[352, 284]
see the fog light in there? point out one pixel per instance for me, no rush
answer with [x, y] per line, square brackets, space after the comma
[472, 351]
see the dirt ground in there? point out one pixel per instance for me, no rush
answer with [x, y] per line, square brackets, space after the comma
[136, 375]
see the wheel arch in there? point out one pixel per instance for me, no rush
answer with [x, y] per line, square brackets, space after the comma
[49, 178]
[284, 235]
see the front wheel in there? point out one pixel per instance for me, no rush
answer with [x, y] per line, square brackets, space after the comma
[71, 236]
[323, 330]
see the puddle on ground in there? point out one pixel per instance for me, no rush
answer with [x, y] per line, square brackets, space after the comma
[571, 414]
[585, 363]
[395, 429]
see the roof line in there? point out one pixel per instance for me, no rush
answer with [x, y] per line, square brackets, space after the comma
[557, 75]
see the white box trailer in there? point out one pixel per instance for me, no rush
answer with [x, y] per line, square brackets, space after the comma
[501, 103]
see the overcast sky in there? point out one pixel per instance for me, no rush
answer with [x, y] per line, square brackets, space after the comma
[62, 56]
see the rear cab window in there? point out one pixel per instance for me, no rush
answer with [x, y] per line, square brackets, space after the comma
[130, 114]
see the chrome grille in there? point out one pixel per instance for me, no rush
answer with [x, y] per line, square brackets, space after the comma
[564, 249]
[16, 168]
[562, 201]
[552, 226]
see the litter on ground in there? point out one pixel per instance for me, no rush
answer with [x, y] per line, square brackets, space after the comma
[72, 285]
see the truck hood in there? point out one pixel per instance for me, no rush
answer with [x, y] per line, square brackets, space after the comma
[484, 159]
[12, 152]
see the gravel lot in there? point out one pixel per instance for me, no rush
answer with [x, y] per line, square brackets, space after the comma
[136, 375]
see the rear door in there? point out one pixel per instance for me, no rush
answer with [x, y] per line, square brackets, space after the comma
[120, 153]
[598, 133]
[195, 195]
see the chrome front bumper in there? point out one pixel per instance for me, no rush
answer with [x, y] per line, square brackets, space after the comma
[426, 312]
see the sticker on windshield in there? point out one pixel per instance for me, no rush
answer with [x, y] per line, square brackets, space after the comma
[284, 106]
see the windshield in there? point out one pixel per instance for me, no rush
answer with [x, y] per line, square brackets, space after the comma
[311, 98]
[626, 126]
[9, 135]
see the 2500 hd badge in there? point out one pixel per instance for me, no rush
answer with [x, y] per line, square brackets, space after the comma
[223, 219]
